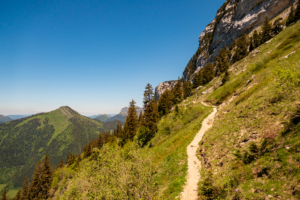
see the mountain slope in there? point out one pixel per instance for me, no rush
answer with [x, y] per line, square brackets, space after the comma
[4, 119]
[102, 118]
[252, 150]
[60, 132]
[122, 115]
[233, 19]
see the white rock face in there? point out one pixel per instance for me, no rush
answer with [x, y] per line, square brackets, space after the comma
[159, 90]
[240, 17]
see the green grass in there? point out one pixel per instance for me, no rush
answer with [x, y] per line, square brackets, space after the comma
[12, 193]
[169, 151]
[258, 111]
[2, 186]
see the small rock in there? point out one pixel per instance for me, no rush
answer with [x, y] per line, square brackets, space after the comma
[285, 57]
[268, 41]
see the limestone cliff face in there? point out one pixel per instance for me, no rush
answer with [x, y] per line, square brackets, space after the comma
[233, 19]
[159, 90]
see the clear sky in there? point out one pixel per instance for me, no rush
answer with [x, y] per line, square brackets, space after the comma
[93, 55]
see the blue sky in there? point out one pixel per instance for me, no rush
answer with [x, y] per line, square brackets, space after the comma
[93, 55]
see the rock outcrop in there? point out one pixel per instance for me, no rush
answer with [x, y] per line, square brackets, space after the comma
[233, 19]
[159, 90]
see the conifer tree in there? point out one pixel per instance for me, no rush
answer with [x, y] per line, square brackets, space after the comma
[45, 177]
[222, 61]
[150, 115]
[266, 31]
[4, 197]
[131, 123]
[241, 48]
[165, 103]
[291, 17]
[225, 77]
[61, 164]
[141, 118]
[187, 89]
[297, 13]
[256, 39]
[18, 195]
[25, 189]
[177, 92]
[198, 79]
[208, 73]
[87, 151]
[35, 188]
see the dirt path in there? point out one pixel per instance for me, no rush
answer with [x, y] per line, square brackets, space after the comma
[190, 191]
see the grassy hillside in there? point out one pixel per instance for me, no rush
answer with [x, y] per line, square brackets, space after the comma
[252, 150]
[25, 141]
[157, 171]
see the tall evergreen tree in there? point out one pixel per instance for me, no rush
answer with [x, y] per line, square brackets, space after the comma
[241, 48]
[208, 73]
[177, 92]
[46, 177]
[256, 39]
[35, 188]
[291, 17]
[18, 195]
[150, 115]
[61, 164]
[222, 61]
[198, 79]
[25, 189]
[165, 103]
[187, 89]
[266, 31]
[131, 123]
[4, 197]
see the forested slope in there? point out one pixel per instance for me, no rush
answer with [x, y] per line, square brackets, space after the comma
[25, 141]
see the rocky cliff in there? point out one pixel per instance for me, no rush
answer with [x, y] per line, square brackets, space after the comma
[162, 87]
[233, 19]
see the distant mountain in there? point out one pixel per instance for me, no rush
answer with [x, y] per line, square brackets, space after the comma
[4, 119]
[102, 118]
[57, 133]
[94, 116]
[122, 115]
[14, 117]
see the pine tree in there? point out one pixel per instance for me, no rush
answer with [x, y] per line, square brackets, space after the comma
[45, 178]
[18, 196]
[177, 92]
[141, 118]
[25, 189]
[187, 89]
[165, 103]
[222, 61]
[225, 77]
[266, 31]
[208, 73]
[61, 164]
[198, 79]
[291, 17]
[241, 48]
[150, 114]
[148, 94]
[87, 151]
[35, 188]
[297, 13]
[4, 197]
[131, 123]
[256, 39]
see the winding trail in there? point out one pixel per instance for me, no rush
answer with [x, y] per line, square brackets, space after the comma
[190, 191]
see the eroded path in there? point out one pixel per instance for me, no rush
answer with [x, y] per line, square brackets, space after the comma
[190, 191]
